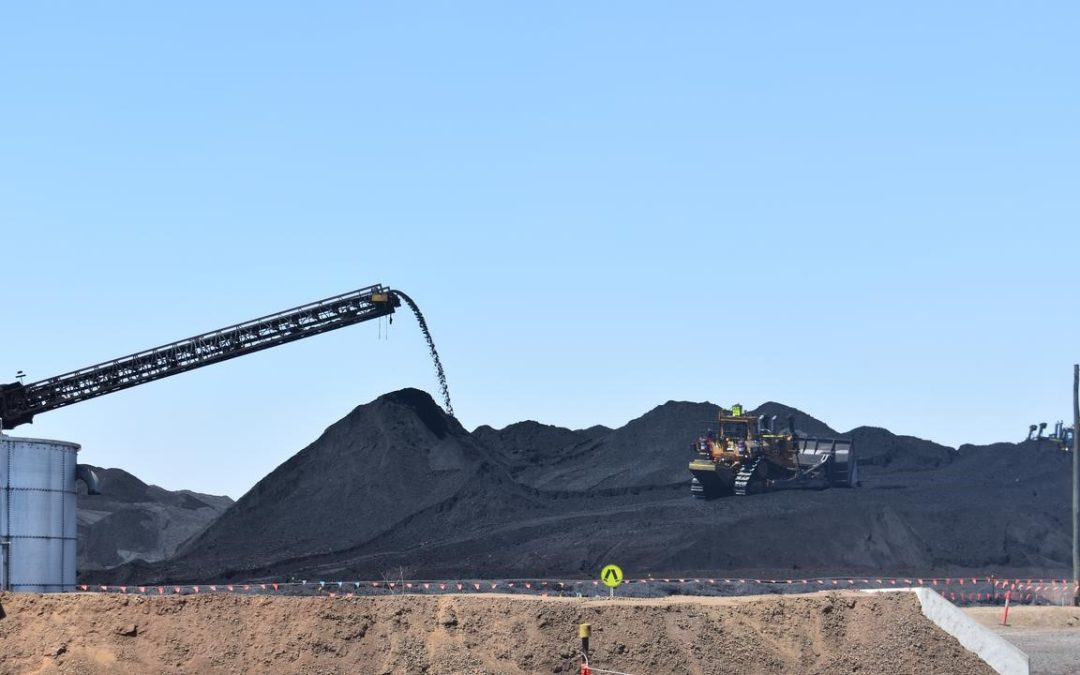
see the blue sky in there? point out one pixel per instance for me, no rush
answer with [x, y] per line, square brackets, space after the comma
[865, 211]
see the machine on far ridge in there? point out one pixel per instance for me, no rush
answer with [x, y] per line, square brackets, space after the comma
[747, 455]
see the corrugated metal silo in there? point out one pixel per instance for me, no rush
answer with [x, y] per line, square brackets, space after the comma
[37, 514]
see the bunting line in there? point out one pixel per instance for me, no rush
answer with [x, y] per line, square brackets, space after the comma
[957, 589]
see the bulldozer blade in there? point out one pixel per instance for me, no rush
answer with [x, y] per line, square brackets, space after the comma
[836, 456]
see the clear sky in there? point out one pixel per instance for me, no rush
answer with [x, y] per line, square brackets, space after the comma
[865, 210]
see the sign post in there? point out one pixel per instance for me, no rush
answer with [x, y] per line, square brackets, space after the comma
[612, 577]
[1076, 485]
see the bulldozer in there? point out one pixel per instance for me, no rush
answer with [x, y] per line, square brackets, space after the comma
[747, 455]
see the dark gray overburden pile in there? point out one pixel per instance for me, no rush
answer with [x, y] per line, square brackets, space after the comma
[398, 487]
[132, 520]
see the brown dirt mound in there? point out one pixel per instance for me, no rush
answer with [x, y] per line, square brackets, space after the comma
[822, 633]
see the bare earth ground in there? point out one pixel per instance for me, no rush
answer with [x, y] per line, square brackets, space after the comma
[821, 633]
[1049, 635]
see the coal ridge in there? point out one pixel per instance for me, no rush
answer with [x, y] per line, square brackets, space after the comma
[399, 484]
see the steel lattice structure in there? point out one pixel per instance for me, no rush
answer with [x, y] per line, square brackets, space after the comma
[20, 403]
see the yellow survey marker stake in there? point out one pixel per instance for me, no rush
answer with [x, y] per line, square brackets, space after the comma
[611, 575]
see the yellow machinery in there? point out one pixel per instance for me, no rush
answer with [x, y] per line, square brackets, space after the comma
[746, 454]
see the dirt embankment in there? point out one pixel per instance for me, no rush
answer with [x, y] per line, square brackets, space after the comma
[823, 633]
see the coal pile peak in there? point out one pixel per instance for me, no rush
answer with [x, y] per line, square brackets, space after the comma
[424, 407]
[879, 448]
[373, 471]
[805, 424]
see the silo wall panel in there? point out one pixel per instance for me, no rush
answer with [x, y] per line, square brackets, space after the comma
[33, 466]
[71, 530]
[38, 512]
[69, 564]
[37, 565]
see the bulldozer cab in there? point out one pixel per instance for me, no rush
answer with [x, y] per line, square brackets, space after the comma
[735, 429]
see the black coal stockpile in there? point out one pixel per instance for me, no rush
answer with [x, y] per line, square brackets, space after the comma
[398, 487]
[132, 520]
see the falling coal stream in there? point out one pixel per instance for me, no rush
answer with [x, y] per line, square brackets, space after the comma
[439, 372]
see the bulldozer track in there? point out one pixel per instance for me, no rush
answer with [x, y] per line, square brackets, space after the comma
[745, 476]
